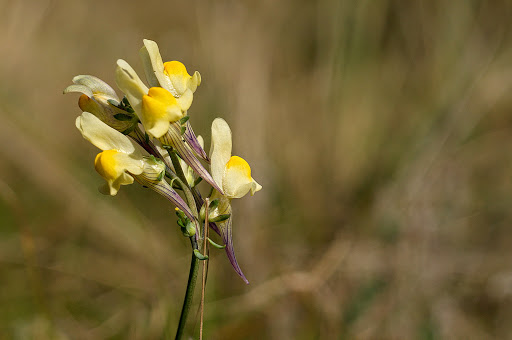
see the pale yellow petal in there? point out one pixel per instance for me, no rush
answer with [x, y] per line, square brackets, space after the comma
[104, 137]
[255, 187]
[237, 180]
[220, 150]
[97, 86]
[152, 61]
[185, 100]
[131, 85]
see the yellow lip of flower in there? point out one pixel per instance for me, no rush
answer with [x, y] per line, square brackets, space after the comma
[159, 109]
[106, 165]
[178, 75]
[237, 180]
[239, 165]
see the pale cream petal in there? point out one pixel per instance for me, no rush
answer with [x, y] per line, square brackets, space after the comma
[255, 187]
[157, 66]
[96, 85]
[103, 136]
[152, 61]
[80, 89]
[185, 100]
[195, 81]
[131, 85]
[112, 187]
[220, 150]
[237, 180]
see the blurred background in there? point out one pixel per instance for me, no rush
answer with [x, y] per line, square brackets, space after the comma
[381, 132]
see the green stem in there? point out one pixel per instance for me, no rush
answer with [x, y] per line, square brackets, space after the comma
[182, 181]
[187, 303]
[177, 166]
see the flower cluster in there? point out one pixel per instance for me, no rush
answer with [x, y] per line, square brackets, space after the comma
[146, 137]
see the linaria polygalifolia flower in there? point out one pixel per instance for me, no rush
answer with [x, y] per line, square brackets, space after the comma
[163, 152]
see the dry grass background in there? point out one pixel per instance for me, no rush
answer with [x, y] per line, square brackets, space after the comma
[380, 131]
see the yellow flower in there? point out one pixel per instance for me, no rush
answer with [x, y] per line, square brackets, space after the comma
[156, 107]
[231, 173]
[121, 158]
[233, 176]
[172, 75]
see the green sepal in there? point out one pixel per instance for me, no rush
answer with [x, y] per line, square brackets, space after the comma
[183, 129]
[125, 105]
[180, 214]
[218, 246]
[184, 120]
[161, 176]
[200, 256]
[123, 117]
[214, 204]
[185, 232]
[181, 224]
[220, 218]
[113, 102]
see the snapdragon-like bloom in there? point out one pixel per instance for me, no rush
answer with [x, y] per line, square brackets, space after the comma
[233, 175]
[156, 107]
[122, 160]
[172, 75]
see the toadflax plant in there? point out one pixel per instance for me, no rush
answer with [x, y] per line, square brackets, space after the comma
[147, 137]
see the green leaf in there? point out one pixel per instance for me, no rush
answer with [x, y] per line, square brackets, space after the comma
[199, 255]
[215, 244]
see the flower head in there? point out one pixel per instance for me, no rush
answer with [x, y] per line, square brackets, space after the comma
[231, 173]
[156, 107]
[172, 75]
[121, 158]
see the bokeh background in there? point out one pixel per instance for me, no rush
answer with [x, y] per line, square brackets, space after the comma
[381, 132]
